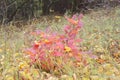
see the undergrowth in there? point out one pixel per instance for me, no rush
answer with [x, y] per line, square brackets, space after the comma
[99, 49]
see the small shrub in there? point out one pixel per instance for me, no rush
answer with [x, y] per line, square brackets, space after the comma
[53, 50]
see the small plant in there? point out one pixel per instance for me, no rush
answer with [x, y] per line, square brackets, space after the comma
[54, 50]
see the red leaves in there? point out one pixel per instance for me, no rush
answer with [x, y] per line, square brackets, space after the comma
[53, 44]
[36, 45]
[67, 29]
[101, 61]
[57, 53]
[73, 30]
[76, 21]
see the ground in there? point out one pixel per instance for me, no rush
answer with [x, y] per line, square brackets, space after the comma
[100, 35]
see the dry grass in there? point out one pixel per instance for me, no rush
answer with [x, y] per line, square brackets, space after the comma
[100, 36]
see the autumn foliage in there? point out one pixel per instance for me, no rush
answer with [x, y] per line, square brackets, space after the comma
[53, 49]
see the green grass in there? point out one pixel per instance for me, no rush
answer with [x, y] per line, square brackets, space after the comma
[101, 27]
[100, 35]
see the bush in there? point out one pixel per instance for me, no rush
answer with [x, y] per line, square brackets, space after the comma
[54, 50]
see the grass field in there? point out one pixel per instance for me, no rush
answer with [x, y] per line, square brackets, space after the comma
[100, 36]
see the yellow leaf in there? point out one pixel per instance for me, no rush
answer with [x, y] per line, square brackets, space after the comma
[109, 73]
[26, 76]
[107, 66]
[85, 78]
[94, 77]
[1, 50]
[57, 17]
[100, 69]
[8, 77]
[67, 49]
[86, 71]
[23, 65]
[70, 78]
